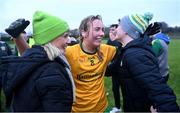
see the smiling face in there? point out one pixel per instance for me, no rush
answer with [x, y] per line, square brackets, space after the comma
[120, 33]
[95, 33]
[112, 32]
[62, 41]
[92, 31]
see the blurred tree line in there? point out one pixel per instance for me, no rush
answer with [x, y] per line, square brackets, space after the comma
[173, 32]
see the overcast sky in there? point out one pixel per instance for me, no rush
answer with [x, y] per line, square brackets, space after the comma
[73, 11]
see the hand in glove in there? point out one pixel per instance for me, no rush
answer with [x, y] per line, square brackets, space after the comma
[17, 27]
[152, 29]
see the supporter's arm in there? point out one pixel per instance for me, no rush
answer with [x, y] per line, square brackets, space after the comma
[21, 44]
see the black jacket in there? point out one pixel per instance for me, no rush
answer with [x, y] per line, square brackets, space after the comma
[36, 83]
[140, 80]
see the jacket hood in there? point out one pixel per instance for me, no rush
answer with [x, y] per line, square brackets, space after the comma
[15, 70]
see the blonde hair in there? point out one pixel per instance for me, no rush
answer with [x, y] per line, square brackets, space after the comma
[84, 26]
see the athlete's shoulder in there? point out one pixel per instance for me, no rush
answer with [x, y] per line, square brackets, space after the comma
[105, 46]
[73, 47]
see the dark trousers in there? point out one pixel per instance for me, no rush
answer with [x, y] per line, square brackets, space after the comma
[116, 91]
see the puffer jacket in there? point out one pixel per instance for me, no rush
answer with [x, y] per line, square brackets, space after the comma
[140, 79]
[36, 83]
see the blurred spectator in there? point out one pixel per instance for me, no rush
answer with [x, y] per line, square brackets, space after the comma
[5, 50]
[160, 47]
[72, 41]
[115, 80]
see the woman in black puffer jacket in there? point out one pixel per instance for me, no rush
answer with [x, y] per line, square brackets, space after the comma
[141, 83]
[41, 80]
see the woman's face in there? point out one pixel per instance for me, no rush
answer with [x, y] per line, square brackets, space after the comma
[63, 41]
[95, 33]
[119, 33]
[112, 33]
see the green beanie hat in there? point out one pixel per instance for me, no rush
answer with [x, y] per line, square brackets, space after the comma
[136, 24]
[47, 27]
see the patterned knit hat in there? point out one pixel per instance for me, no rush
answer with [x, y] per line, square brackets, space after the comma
[135, 24]
[47, 27]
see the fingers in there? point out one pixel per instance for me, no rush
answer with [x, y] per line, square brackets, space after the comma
[17, 27]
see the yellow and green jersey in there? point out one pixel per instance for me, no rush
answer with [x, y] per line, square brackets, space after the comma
[31, 42]
[88, 73]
